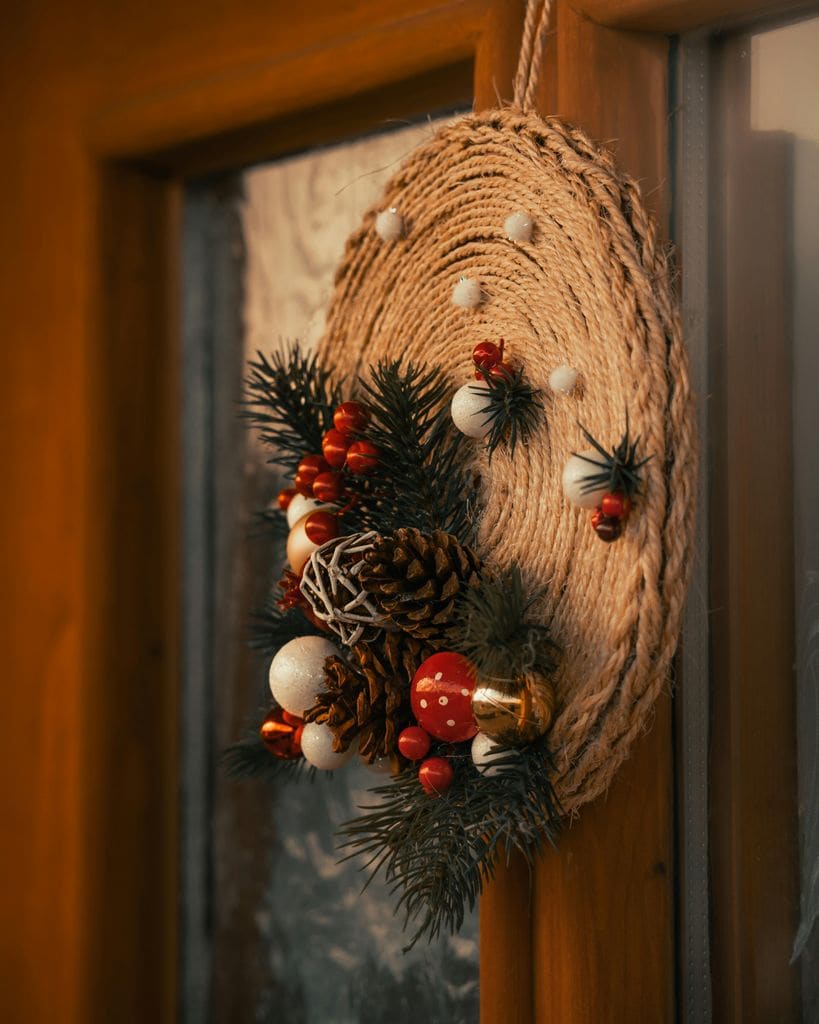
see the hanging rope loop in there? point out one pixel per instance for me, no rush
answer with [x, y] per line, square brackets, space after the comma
[532, 47]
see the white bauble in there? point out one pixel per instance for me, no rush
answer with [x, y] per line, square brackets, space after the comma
[467, 293]
[518, 227]
[563, 380]
[575, 474]
[468, 409]
[297, 672]
[389, 225]
[317, 747]
[483, 757]
[300, 506]
[299, 546]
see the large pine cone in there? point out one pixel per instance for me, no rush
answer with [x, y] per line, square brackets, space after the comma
[414, 579]
[368, 696]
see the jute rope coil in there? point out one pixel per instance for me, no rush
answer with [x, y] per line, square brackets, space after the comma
[592, 290]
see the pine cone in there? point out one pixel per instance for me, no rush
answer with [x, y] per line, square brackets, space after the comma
[415, 577]
[369, 697]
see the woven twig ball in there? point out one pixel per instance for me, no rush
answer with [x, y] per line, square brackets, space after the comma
[589, 289]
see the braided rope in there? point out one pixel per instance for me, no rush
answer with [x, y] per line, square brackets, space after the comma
[592, 289]
[532, 46]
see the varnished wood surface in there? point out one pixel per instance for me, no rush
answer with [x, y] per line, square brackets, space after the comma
[675, 16]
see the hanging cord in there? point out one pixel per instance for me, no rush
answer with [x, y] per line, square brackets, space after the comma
[532, 46]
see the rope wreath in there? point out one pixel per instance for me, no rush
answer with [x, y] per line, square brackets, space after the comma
[592, 290]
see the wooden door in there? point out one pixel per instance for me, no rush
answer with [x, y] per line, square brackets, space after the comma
[108, 109]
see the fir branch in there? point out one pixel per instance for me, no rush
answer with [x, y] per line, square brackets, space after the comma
[290, 398]
[272, 524]
[437, 853]
[421, 478]
[513, 409]
[491, 629]
[250, 758]
[617, 470]
[272, 628]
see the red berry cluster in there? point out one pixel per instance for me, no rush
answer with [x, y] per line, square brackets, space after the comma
[435, 773]
[322, 476]
[488, 360]
[610, 516]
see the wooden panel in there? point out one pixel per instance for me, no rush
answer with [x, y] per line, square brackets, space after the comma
[674, 16]
[754, 855]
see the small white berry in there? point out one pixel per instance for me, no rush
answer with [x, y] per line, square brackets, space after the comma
[467, 293]
[389, 225]
[518, 227]
[563, 379]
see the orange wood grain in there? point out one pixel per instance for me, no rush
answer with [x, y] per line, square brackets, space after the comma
[675, 16]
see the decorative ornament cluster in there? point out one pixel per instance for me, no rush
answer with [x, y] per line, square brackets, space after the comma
[392, 639]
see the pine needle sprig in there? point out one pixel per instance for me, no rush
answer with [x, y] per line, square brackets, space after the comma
[271, 628]
[513, 409]
[290, 397]
[421, 479]
[437, 854]
[616, 470]
[249, 758]
[492, 630]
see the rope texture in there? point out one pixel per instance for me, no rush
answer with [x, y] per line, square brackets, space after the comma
[532, 47]
[592, 290]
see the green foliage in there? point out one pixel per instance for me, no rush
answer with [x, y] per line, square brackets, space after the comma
[421, 478]
[272, 628]
[250, 758]
[438, 852]
[617, 470]
[290, 397]
[492, 630]
[513, 408]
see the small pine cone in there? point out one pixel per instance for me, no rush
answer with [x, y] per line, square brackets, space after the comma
[414, 579]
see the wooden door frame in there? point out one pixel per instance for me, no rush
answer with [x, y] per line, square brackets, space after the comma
[108, 120]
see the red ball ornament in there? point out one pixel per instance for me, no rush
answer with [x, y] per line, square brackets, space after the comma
[436, 775]
[502, 371]
[285, 497]
[414, 743]
[362, 458]
[615, 504]
[606, 527]
[334, 444]
[441, 697]
[321, 527]
[328, 486]
[311, 465]
[281, 734]
[351, 418]
[487, 354]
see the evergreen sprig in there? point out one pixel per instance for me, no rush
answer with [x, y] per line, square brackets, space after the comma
[421, 478]
[437, 853]
[272, 628]
[618, 469]
[290, 397]
[513, 409]
[491, 629]
[249, 758]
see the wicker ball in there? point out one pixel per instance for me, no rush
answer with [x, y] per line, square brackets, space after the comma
[591, 290]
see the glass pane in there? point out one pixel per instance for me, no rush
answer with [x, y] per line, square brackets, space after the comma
[286, 932]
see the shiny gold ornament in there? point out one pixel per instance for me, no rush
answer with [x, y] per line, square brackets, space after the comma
[517, 717]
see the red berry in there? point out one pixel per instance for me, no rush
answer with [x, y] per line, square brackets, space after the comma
[615, 504]
[304, 485]
[281, 734]
[311, 465]
[607, 528]
[328, 486]
[502, 371]
[436, 775]
[321, 527]
[441, 697]
[285, 497]
[487, 354]
[351, 418]
[414, 743]
[362, 457]
[334, 444]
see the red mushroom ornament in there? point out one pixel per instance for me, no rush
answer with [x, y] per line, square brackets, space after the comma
[441, 697]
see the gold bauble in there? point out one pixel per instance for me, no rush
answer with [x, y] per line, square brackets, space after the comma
[514, 717]
[299, 545]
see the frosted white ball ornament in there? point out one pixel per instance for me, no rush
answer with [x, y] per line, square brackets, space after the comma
[467, 293]
[300, 506]
[575, 479]
[518, 227]
[563, 380]
[389, 225]
[317, 747]
[468, 409]
[297, 672]
[484, 757]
